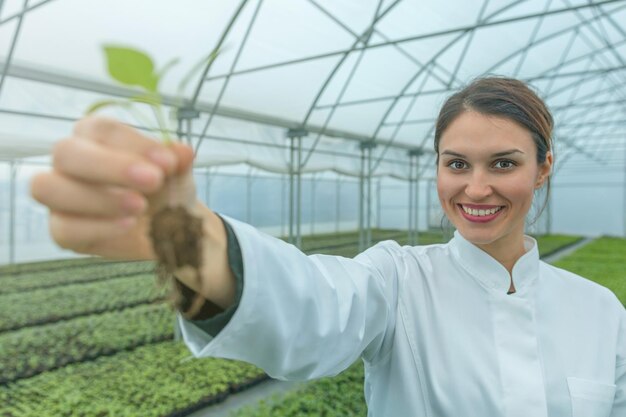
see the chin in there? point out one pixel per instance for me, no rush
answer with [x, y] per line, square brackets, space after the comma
[483, 237]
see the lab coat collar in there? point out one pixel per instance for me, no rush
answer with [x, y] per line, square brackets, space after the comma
[491, 273]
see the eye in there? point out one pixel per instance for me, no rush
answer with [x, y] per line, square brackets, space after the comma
[456, 164]
[505, 164]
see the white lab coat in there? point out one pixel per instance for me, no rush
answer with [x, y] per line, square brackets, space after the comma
[434, 326]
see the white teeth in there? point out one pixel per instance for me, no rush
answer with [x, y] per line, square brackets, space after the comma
[479, 213]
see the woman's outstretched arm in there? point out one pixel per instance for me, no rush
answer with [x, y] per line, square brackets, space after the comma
[106, 181]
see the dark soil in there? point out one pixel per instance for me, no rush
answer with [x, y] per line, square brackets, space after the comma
[177, 241]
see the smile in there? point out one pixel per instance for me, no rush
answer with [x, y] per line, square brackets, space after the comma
[480, 215]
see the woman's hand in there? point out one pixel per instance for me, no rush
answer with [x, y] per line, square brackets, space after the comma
[107, 178]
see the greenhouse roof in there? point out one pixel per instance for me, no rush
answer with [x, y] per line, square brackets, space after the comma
[336, 73]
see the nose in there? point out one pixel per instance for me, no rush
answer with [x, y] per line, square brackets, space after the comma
[478, 186]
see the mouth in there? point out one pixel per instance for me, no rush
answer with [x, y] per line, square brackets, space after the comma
[480, 214]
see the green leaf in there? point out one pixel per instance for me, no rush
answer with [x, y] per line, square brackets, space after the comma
[150, 99]
[167, 67]
[195, 69]
[131, 67]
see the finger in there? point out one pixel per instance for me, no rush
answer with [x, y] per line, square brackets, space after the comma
[123, 238]
[89, 161]
[113, 134]
[184, 155]
[84, 234]
[64, 194]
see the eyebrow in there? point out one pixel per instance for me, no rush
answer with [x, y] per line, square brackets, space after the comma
[495, 155]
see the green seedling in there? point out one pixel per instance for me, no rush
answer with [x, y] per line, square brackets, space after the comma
[175, 232]
[134, 68]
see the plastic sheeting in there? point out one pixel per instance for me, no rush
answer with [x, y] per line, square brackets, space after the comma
[346, 72]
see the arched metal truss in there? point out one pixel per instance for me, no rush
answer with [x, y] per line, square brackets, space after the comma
[572, 52]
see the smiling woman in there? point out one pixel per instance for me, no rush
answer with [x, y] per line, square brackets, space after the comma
[493, 144]
[486, 178]
[479, 323]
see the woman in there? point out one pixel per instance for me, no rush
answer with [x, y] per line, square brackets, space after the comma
[478, 326]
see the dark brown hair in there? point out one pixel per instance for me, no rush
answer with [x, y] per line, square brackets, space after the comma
[507, 98]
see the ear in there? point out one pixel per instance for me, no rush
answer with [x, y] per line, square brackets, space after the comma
[544, 170]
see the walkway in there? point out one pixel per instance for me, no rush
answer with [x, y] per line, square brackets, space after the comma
[566, 251]
[250, 396]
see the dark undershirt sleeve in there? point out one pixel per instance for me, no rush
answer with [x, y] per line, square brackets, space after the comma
[211, 318]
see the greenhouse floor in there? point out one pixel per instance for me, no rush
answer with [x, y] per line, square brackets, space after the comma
[566, 250]
[250, 396]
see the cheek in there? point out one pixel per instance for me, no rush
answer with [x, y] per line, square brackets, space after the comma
[441, 188]
[446, 189]
[521, 191]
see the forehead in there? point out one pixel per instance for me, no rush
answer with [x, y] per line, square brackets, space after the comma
[478, 132]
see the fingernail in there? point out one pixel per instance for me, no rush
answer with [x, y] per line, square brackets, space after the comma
[144, 174]
[133, 204]
[127, 222]
[163, 157]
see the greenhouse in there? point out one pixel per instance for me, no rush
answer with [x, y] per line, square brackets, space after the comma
[311, 120]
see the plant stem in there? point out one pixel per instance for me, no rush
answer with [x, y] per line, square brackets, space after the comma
[163, 126]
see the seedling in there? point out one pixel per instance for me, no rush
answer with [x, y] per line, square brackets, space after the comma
[134, 68]
[176, 234]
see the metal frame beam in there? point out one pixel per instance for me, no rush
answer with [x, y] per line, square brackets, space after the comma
[16, 34]
[220, 95]
[33, 74]
[363, 38]
[452, 31]
[480, 20]
[20, 15]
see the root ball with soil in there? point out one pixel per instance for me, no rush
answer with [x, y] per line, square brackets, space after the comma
[176, 237]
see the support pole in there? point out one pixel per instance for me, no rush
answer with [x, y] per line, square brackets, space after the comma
[13, 166]
[624, 195]
[282, 204]
[313, 184]
[249, 196]
[429, 191]
[365, 200]
[295, 174]
[292, 171]
[410, 219]
[361, 200]
[185, 116]
[299, 195]
[416, 212]
[338, 204]
[368, 236]
[414, 155]
[378, 205]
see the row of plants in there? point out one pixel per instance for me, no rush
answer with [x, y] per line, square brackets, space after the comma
[332, 239]
[33, 350]
[602, 261]
[88, 273]
[51, 265]
[147, 389]
[341, 396]
[348, 246]
[50, 305]
[151, 381]
[549, 244]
